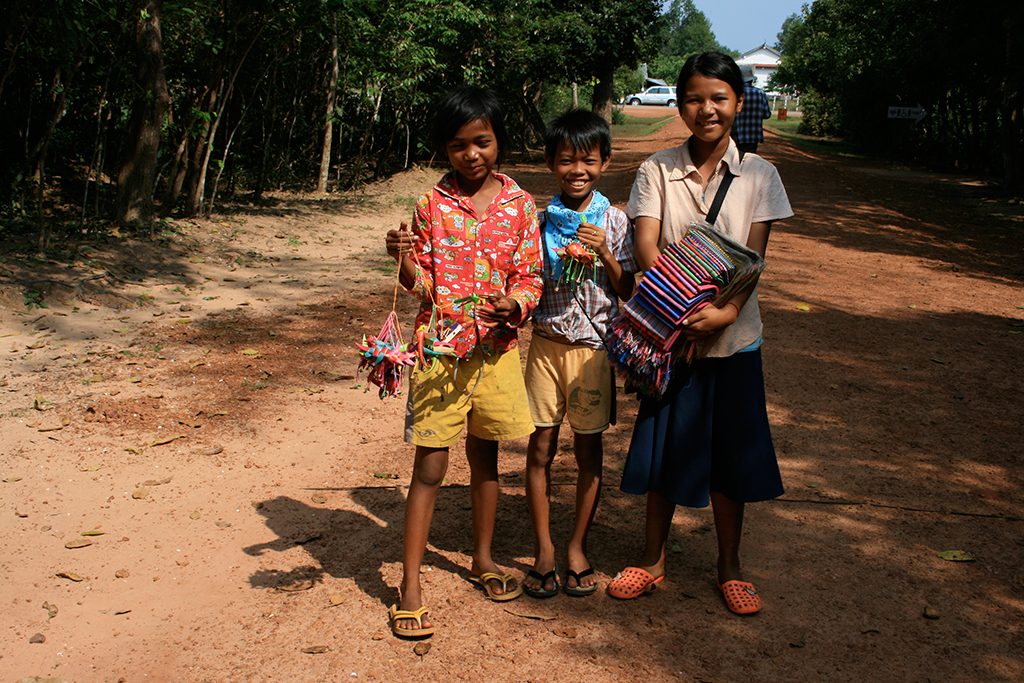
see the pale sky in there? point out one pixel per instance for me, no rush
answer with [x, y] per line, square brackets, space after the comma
[744, 24]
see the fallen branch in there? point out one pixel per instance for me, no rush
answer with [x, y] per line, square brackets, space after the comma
[903, 508]
[59, 283]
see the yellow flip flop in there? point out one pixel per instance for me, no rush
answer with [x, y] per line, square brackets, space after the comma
[395, 615]
[483, 580]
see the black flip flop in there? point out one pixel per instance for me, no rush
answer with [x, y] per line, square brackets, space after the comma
[542, 592]
[579, 591]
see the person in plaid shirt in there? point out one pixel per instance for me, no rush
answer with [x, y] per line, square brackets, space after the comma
[746, 129]
[567, 370]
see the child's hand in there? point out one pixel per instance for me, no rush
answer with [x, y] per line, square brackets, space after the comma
[399, 242]
[496, 310]
[709, 320]
[594, 237]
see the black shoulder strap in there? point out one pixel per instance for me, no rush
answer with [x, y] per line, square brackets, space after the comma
[723, 189]
[716, 205]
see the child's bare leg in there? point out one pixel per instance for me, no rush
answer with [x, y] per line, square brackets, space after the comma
[656, 527]
[483, 490]
[589, 462]
[541, 451]
[729, 529]
[427, 473]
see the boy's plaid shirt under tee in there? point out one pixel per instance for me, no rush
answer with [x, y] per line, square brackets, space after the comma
[459, 253]
[747, 129]
[571, 315]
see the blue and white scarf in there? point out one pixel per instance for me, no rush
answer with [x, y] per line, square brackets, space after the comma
[561, 224]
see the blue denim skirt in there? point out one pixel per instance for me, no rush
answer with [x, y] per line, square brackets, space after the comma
[709, 432]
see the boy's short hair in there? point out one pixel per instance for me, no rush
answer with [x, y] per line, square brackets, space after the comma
[582, 129]
[710, 65]
[465, 104]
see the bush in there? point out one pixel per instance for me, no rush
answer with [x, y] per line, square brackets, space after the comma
[822, 115]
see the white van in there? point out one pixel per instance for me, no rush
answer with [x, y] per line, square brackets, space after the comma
[658, 94]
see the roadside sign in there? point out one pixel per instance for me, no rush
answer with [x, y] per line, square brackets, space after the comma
[914, 113]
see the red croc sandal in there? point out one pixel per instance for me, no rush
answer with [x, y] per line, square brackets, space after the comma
[740, 597]
[632, 582]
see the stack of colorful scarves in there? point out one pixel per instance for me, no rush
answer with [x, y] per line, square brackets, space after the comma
[645, 339]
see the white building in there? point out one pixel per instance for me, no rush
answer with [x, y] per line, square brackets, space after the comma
[764, 61]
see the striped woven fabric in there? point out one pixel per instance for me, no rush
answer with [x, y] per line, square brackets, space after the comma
[645, 339]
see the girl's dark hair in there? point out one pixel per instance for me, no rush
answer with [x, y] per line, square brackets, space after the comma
[459, 107]
[710, 65]
[580, 128]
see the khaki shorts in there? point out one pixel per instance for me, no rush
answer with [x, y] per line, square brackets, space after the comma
[569, 380]
[486, 394]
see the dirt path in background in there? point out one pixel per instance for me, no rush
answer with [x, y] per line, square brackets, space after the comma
[194, 400]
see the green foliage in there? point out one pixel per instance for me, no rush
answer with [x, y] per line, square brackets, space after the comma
[557, 98]
[852, 59]
[33, 299]
[628, 80]
[822, 115]
[666, 67]
[791, 35]
[685, 31]
[248, 82]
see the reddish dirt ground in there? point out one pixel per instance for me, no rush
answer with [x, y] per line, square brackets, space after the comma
[194, 399]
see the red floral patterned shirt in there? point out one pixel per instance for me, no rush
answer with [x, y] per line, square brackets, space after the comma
[459, 253]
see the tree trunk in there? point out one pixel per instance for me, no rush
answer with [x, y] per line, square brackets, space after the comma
[137, 177]
[37, 156]
[357, 171]
[201, 155]
[95, 171]
[601, 101]
[204, 151]
[176, 178]
[531, 100]
[224, 162]
[9, 69]
[268, 111]
[1011, 108]
[332, 93]
[192, 190]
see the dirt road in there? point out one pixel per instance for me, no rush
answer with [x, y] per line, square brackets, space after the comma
[188, 407]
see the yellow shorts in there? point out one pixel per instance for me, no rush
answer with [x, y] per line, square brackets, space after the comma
[574, 380]
[486, 394]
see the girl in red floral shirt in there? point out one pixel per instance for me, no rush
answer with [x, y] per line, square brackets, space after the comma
[473, 258]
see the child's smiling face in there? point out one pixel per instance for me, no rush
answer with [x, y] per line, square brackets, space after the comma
[473, 151]
[708, 107]
[577, 172]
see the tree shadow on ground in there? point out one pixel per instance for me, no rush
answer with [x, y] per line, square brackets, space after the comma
[889, 458]
[871, 207]
[95, 270]
[847, 560]
[891, 452]
[906, 410]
